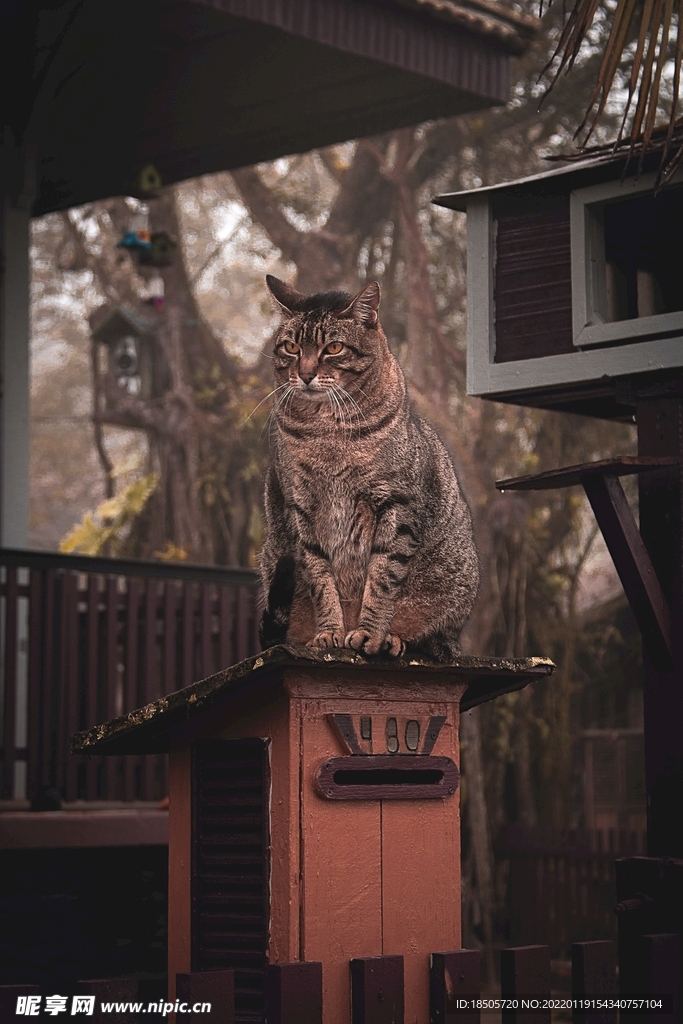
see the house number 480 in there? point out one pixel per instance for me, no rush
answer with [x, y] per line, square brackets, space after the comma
[411, 736]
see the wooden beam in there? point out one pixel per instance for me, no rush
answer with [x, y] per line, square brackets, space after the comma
[622, 536]
[660, 508]
[15, 223]
[481, 690]
[632, 562]
[623, 465]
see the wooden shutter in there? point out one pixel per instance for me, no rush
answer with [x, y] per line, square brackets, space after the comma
[231, 863]
[533, 286]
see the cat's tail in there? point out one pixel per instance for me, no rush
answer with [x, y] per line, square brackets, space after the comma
[275, 620]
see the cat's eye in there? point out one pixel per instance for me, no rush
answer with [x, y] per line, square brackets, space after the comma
[334, 348]
[291, 347]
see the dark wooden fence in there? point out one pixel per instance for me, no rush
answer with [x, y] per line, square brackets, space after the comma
[294, 991]
[87, 639]
[560, 886]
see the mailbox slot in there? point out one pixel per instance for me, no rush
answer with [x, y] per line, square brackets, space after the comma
[387, 777]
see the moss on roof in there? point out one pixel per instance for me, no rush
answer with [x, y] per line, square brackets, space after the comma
[147, 729]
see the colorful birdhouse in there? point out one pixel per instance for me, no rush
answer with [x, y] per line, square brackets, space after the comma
[148, 183]
[137, 238]
[161, 251]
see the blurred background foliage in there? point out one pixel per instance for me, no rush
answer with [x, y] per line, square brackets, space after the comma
[337, 218]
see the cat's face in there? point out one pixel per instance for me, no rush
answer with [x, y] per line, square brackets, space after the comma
[327, 345]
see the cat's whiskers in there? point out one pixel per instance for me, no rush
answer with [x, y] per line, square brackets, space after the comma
[277, 405]
[353, 404]
[334, 405]
[341, 405]
[269, 395]
[337, 403]
[330, 386]
[290, 398]
[348, 407]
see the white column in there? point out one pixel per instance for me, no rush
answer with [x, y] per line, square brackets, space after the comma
[14, 370]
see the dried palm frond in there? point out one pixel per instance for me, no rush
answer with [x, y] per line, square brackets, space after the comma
[668, 138]
[650, 22]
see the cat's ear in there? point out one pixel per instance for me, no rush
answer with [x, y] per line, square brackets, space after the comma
[364, 307]
[287, 298]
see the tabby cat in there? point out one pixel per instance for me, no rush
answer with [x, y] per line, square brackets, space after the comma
[369, 541]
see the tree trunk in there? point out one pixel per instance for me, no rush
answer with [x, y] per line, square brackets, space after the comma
[204, 498]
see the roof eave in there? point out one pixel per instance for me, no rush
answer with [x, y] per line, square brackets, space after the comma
[148, 729]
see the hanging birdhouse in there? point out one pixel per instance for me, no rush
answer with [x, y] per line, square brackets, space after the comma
[137, 237]
[127, 352]
[160, 252]
[148, 183]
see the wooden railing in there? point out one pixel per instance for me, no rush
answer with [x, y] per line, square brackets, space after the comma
[83, 640]
[560, 885]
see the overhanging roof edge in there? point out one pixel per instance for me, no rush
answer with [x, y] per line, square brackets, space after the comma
[352, 26]
[146, 730]
[458, 200]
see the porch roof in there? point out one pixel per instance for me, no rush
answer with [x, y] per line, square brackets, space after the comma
[94, 90]
[147, 730]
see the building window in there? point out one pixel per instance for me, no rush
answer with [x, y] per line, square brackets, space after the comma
[643, 256]
[627, 262]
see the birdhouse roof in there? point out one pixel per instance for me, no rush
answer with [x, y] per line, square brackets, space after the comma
[109, 323]
[601, 166]
[147, 730]
[558, 179]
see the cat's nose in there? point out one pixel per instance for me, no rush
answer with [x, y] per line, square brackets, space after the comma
[307, 377]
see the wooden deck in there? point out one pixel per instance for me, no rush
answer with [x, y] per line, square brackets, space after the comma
[84, 826]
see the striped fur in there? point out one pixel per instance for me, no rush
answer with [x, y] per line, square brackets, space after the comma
[360, 493]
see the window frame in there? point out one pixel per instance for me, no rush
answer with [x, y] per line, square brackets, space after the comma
[586, 207]
[544, 374]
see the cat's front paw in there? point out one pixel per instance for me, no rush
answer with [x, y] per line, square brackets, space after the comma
[372, 643]
[328, 638]
[394, 645]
